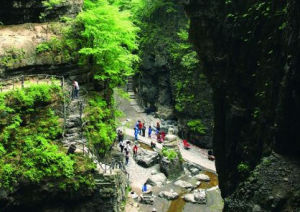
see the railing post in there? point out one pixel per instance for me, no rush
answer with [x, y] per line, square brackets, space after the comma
[62, 82]
[22, 81]
[64, 104]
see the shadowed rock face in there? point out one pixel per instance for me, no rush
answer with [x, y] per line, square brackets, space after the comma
[33, 11]
[251, 60]
[162, 81]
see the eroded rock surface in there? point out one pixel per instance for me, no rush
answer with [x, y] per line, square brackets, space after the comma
[147, 158]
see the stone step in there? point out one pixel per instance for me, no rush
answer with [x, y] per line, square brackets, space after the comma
[72, 134]
[73, 117]
[72, 130]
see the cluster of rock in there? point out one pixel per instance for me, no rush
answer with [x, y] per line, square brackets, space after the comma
[169, 195]
[147, 158]
[192, 169]
[198, 196]
[157, 179]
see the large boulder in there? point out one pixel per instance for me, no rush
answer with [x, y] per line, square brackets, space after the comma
[171, 137]
[189, 198]
[169, 195]
[147, 158]
[183, 184]
[202, 177]
[198, 196]
[172, 169]
[192, 167]
[156, 179]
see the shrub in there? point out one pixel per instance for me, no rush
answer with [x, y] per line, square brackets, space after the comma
[171, 154]
[100, 127]
[196, 125]
[29, 129]
[243, 169]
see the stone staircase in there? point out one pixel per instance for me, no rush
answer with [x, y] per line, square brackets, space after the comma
[74, 135]
[73, 127]
[133, 100]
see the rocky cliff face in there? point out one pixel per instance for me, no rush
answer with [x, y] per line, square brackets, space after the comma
[249, 51]
[30, 43]
[33, 47]
[34, 11]
[104, 198]
[171, 78]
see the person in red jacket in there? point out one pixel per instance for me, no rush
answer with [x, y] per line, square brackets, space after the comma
[135, 149]
[140, 127]
[159, 138]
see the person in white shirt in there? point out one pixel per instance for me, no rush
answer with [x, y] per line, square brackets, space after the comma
[76, 89]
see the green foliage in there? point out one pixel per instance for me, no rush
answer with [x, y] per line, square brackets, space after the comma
[107, 39]
[197, 126]
[50, 4]
[59, 48]
[243, 169]
[29, 128]
[100, 127]
[42, 47]
[12, 56]
[171, 154]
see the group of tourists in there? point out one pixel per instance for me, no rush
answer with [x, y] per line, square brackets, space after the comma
[125, 146]
[140, 129]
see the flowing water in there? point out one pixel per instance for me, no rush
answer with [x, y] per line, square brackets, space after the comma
[178, 204]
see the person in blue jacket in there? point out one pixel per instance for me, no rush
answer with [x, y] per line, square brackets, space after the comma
[149, 131]
[144, 188]
[136, 132]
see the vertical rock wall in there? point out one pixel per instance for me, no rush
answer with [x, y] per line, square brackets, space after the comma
[170, 80]
[35, 11]
[250, 52]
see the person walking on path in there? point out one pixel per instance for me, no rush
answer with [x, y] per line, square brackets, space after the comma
[158, 137]
[126, 157]
[136, 132]
[137, 124]
[121, 144]
[153, 145]
[127, 146]
[140, 127]
[75, 89]
[149, 131]
[144, 129]
[135, 149]
[158, 126]
[120, 136]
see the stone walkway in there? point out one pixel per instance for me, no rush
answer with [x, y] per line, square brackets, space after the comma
[194, 155]
[133, 112]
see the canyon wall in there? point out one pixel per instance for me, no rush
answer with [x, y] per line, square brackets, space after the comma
[250, 52]
[170, 79]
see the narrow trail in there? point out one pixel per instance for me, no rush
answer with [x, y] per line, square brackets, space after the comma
[133, 112]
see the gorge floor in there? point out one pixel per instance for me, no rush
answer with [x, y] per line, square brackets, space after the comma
[138, 175]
